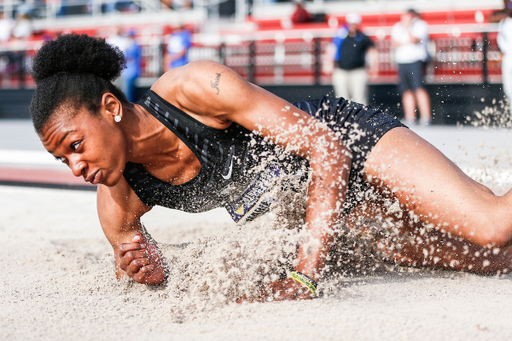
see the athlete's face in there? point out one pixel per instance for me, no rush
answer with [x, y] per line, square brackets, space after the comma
[92, 145]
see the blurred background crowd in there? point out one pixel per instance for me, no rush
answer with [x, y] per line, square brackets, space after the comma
[427, 61]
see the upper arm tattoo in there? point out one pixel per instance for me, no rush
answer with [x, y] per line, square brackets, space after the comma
[215, 84]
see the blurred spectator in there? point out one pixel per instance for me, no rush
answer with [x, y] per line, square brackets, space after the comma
[301, 14]
[504, 17]
[177, 4]
[21, 32]
[132, 52]
[6, 26]
[6, 57]
[178, 45]
[23, 27]
[353, 50]
[117, 38]
[410, 38]
[112, 6]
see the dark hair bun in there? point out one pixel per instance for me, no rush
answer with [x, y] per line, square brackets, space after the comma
[78, 53]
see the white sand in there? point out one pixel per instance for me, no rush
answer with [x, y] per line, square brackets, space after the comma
[58, 284]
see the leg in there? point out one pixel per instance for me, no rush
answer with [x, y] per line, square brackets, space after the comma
[405, 87]
[506, 73]
[409, 103]
[439, 251]
[358, 80]
[409, 242]
[423, 100]
[437, 191]
[339, 82]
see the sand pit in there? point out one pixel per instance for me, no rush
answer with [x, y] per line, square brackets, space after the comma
[58, 281]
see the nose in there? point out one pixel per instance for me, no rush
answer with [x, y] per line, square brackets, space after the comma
[76, 165]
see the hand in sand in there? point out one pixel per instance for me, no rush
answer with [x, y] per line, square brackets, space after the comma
[142, 260]
[282, 290]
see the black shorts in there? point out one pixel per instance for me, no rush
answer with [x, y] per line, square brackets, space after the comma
[411, 76]
[360, 127]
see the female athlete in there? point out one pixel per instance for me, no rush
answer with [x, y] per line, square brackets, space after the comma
[203, 137]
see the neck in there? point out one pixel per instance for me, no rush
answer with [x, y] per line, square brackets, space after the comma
[147, 137]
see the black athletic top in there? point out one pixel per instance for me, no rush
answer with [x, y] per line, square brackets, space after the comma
[238, 166]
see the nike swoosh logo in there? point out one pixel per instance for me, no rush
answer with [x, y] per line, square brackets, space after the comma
[228, 176]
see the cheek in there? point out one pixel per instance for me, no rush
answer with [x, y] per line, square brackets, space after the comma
[114, 143]
[117, 147]
[108, 149]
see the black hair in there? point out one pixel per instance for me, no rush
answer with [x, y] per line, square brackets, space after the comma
[413, 12]
[76, 70]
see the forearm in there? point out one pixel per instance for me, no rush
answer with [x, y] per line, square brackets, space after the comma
[117, 237]
[324, 213]
[119, 214]
[497, 16]
[118, 232]
[119, 222]
[412, 38]
[136, 255]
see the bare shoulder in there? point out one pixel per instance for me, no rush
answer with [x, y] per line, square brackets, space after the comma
[195, 72]
[209, 79]
[217, 95]
[202, 88]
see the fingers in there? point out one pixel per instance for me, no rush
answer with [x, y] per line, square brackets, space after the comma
[142, 276]
[142, 261]
[284, 290]
[136, 244]
[305, 295]
[133, 256]
[295, 293]
[127, 247]
[128, 257]
[131, 264]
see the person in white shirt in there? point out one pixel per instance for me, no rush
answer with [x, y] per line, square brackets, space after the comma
[6, 57]
[6, 25]
[505, 45]
[23, 27]
[410, 38]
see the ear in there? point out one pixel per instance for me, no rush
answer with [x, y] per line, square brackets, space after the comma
[111, 106]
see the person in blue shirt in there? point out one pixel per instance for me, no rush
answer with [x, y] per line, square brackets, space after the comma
[351, 47]
[178, 45]
[133, 55]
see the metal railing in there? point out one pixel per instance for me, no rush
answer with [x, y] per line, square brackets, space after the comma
[470, 58]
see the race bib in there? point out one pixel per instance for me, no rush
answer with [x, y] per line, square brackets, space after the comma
[253, 202]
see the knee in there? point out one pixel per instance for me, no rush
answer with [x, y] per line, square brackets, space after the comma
[496, 236]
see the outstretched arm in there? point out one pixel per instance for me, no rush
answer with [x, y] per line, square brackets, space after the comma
[221, 96]
[136, 256]
[497, 16]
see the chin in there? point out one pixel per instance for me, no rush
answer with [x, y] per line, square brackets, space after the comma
[107, 184]
[112, 179]
[111, 182]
